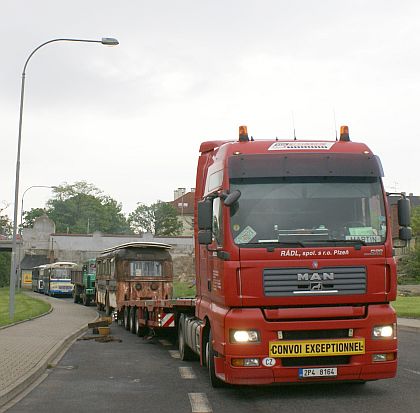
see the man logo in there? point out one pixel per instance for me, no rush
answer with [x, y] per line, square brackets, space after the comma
[316, 276]
[315, 286]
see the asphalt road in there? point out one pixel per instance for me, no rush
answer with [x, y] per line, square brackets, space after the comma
[138, 375]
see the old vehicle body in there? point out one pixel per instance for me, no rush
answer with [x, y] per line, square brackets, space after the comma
[294, 263]
[136, 281]
[57, 278]
[38, 278]
[84, 282]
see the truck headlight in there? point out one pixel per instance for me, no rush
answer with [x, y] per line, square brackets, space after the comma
[387, 331]
[244, 336]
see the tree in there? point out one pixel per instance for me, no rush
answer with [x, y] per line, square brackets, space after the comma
[30, 216]
[81, 208]
[6, 229]
[415, 221]
[160, 219]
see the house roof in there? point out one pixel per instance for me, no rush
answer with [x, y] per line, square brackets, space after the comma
[184, 204]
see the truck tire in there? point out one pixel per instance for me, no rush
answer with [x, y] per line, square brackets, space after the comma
[184, 351]
[133, 316]
[85, 300]
[76, 297]
[210, 353]
[127, 318]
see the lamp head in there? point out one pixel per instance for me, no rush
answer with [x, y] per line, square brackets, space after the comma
[109, 41]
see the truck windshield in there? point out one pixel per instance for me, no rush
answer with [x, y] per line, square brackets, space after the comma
[311, 210]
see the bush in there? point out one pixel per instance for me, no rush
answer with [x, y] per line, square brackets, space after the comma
[5, 262]
[410, 264]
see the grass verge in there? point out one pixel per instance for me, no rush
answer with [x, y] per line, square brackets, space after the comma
[184, 289]
[25, 307]
[407, 306]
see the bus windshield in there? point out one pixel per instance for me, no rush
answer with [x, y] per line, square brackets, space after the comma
[60, 273]
[311, 210]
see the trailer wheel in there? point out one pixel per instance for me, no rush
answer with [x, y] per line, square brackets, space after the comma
[210, 353]
[108, 310]
[139, 330]
[184, 351]
[127, 318]
[133, 316]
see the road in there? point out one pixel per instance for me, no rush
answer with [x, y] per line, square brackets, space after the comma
[138, 375]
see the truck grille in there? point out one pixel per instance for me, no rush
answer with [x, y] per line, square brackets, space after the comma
[315, 334]
[295, 282]
[315, 361]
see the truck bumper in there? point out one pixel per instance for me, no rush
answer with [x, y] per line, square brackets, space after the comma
[360, 367]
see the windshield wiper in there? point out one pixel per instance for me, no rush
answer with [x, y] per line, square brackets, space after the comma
[336, 242]
[276, 243]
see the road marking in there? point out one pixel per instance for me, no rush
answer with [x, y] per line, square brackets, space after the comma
[199, 403]
[165, 343]
[413, 371]
[174, 354]
[186, 373]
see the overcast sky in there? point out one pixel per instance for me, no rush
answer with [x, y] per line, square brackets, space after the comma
[130, 119]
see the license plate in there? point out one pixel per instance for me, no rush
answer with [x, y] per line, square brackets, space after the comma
[318, 372]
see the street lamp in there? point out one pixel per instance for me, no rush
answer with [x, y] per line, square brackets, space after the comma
[108, 41]
[21, 224]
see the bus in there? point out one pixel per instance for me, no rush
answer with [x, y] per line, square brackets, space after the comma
[38, 279]
[57, 279]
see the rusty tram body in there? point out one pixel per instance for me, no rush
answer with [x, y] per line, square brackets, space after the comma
[134, 281]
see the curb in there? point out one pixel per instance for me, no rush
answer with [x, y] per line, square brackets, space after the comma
[28, 319]
[408, 324]
[24, 382]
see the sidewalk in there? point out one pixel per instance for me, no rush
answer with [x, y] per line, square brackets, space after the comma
[27, 348]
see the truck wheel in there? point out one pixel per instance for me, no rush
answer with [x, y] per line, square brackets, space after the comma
[133, 316]
[184, 351]
[85, 300]
[214, 380]
[127, 318]
[75, 296]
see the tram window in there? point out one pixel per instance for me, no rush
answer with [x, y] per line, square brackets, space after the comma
[145, 268]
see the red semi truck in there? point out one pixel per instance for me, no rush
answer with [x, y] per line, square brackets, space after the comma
[294, 264]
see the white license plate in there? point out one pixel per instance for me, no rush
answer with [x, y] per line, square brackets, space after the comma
[318, 372]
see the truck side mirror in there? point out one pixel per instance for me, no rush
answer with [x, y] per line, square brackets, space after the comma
[205, 237]
[232, 197]
[205, 214]
[404, 212]
[405, 234]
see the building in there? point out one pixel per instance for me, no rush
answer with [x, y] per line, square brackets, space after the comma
[41, 245]
[184, 204]
[393, 206]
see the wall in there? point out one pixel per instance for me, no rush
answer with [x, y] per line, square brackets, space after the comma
[42, 240]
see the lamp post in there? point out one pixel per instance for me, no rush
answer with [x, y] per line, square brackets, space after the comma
[105, 41]
[21, 224]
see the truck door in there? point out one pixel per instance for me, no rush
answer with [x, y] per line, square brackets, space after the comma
[215, 272]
